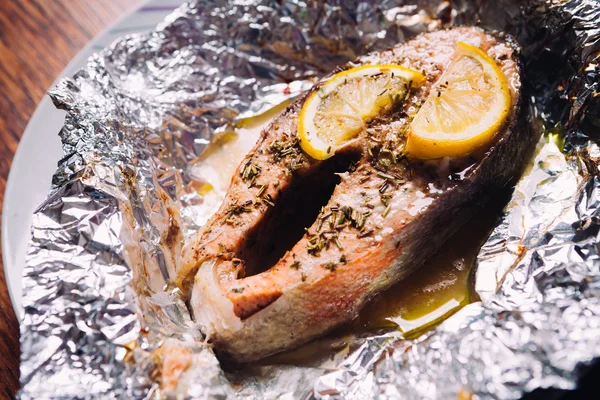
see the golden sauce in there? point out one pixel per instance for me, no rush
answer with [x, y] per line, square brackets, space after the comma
[437, 289]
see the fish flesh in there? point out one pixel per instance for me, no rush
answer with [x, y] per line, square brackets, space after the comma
[300, 245]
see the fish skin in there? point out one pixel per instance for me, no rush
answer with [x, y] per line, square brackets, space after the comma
[247, 318]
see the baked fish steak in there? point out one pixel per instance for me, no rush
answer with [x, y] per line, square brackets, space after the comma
[300, 244]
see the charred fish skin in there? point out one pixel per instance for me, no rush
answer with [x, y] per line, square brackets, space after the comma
[391, 219]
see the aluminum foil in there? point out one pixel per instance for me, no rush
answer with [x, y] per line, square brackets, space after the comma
[98, 305]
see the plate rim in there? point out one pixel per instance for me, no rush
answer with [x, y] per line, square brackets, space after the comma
[43, 107]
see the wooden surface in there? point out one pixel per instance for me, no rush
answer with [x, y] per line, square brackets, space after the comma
[37, 40]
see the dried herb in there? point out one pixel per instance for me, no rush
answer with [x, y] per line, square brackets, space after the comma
[250, 172]
[236, 209]
[262, 189]
[395, 97]
[385, 176]
[315, 245]
[238, 289]
[342, 226]
[289, 152]
[374, 139]
[295, 265]
[385, 199]
[386, 211]
[319, 224]
[373, 150]
[268, 200]
[364, 234]
[358, 219]
[400, 155]
[386, 152]
[321, 240]
[384, 162]
[329, 265]
[221, 250]
[383, 187]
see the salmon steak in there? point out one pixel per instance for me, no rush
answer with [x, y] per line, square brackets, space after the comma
[304, 237]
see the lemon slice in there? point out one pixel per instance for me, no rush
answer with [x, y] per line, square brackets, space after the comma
[339, 109]
[465, 109]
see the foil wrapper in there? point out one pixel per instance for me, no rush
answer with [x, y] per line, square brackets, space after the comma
[98, 305]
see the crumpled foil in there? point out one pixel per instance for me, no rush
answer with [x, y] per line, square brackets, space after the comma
[97, 303]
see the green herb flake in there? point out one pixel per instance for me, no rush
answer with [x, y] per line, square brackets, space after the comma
[364, 234]
[250, 172]
[386, 211]
[385, 199]
[268, 200]
[329, 265]
[236, 209]
[262, 189]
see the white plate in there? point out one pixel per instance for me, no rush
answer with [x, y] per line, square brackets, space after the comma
[39, 149]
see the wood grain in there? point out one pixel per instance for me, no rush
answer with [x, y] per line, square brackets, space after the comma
[37, 40]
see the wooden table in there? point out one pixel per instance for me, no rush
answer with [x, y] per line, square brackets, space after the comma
[37, 40]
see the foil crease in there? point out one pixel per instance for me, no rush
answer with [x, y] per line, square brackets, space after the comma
[98, 305]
